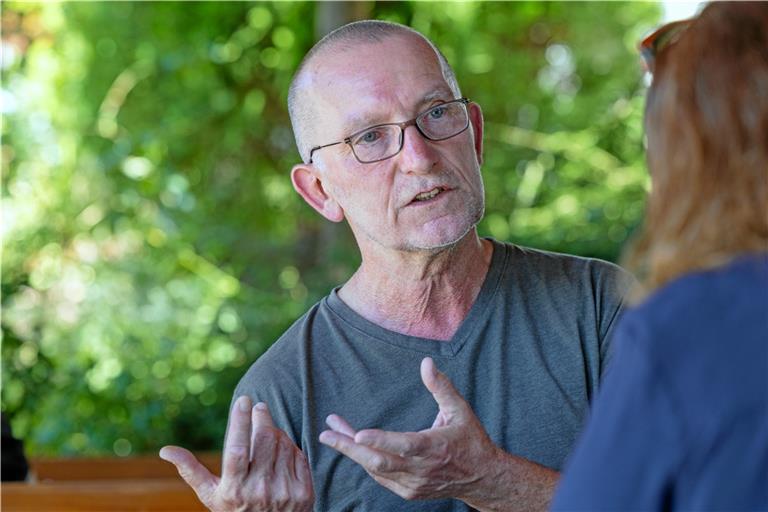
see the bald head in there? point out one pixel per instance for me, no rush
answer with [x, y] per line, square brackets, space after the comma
[304, 118]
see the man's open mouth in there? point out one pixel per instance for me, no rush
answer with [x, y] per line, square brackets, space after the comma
[429, 194]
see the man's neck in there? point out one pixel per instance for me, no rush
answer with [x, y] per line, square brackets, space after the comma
[424, 294]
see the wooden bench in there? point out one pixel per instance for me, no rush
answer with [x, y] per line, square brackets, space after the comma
[111, 468]
[144, 483]
[100, 496]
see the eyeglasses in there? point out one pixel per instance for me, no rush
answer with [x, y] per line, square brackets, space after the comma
[377, 143]
[662, 38]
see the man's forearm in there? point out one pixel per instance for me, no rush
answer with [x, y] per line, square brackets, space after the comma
[513, 483]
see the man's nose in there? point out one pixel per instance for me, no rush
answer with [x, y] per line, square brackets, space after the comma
[418, 154]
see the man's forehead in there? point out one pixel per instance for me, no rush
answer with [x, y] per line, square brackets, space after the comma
[393, 47]
[373, 63]
[361, 84]
[360, 116]
[350, 114]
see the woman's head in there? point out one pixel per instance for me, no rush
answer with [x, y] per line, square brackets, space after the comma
[707, 128]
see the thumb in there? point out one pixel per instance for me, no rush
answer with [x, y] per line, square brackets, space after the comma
[191, 470]
[448, 399]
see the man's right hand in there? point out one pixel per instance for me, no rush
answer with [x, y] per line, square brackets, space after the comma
[262, 469]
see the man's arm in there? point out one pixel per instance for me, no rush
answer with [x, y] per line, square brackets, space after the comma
[262, 469]
[454, 458]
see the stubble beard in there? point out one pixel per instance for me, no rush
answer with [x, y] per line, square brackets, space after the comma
[472, 217]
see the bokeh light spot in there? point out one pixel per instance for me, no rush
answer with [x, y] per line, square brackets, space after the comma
[122, 447]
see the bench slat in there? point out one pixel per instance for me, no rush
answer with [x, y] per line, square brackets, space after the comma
[110, 468]
[100, 496]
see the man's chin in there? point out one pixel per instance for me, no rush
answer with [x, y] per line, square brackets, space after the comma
[445, 233]
[438, 242]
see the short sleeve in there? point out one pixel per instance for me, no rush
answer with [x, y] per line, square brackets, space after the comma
[619, 283]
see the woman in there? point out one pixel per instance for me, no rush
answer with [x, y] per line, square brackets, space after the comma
[682, 419]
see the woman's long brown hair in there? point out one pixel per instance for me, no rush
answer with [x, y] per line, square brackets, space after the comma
[707, 125]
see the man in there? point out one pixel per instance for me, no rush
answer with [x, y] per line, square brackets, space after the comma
[390, 146]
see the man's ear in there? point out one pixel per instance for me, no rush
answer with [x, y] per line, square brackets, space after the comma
[476, 118]
[308, 183]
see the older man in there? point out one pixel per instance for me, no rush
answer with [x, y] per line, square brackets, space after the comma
[390, 145]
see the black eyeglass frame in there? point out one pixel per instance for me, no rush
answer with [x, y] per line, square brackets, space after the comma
[402, 126]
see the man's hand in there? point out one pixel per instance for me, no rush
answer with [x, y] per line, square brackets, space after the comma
[454, 458]
[262, 470]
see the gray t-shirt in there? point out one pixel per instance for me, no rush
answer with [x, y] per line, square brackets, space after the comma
[528, 358]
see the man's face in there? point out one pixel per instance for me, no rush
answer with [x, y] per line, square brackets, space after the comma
[388, 82]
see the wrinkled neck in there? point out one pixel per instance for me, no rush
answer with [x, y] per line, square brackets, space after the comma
[426, 293]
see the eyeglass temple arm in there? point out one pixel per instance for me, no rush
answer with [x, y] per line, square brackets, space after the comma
[312, 151]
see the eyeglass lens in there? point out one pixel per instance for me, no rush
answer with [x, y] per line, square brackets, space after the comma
[438, 123]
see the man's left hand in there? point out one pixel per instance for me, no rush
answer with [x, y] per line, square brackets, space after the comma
[453, 458]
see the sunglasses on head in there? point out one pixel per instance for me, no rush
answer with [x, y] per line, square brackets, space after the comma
[662, 38]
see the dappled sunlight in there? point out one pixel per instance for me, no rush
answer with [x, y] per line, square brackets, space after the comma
[153, 245]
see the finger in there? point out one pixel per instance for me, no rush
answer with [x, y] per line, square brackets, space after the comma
[372, 460]
[448, 399]
[237, 447]
[191, 470]
[265, 441]
[405, 444]
[340, 425]
[261, 416]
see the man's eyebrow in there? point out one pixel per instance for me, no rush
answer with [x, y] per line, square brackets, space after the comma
[355, 123]
[438, 94]
[361, 122]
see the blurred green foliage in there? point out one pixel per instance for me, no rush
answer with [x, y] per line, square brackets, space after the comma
[153, 245]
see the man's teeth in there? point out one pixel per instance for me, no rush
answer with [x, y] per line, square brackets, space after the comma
[427, 195]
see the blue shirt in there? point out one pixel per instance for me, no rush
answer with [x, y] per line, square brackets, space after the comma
[681, 421]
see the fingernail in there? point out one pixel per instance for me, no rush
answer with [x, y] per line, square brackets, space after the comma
[326, 438]
[164, 454]
[260, 406]
[243, 403]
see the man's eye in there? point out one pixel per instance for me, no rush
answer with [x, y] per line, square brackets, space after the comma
[369, 137]
[437, 112]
